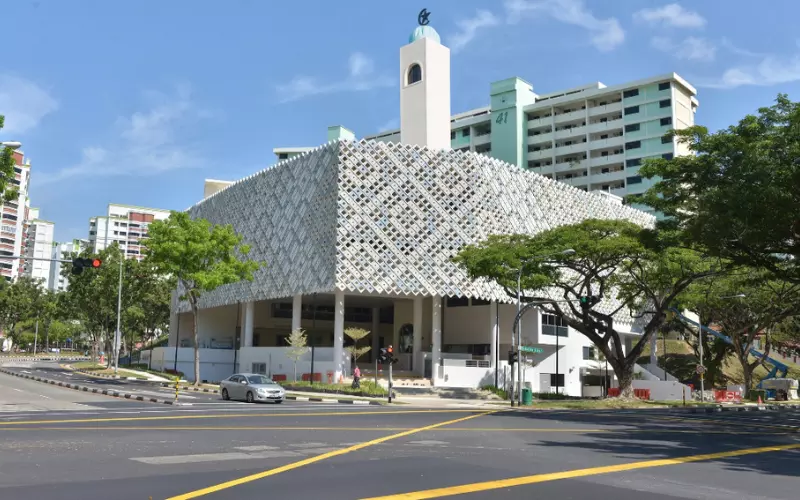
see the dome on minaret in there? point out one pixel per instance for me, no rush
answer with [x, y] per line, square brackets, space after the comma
[424, 32]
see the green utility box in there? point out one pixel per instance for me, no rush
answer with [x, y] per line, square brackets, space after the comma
[527, 397]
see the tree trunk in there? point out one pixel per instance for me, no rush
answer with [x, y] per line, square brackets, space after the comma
[747, 374]
[625, 377]
[196, 313]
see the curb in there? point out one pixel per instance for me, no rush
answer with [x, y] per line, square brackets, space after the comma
[101, 375]
[719, 409]
[293, 398]
[105, 392]
[11, 359]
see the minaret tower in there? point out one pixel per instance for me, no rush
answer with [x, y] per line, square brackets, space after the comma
[425, 88]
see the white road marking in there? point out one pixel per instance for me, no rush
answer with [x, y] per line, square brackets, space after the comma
[212, 457]
[18, 390]
[42, 396]
[257, 448]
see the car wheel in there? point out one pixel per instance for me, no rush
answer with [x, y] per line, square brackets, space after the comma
[225, 395]
[278, 401]
[249, 397]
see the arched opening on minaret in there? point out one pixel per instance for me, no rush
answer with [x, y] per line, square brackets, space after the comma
[414, 74]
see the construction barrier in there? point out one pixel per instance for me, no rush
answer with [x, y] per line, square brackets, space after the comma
[307, 377]
[728, 396]
[613, 392]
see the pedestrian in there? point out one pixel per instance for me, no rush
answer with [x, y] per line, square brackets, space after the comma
[357, 378]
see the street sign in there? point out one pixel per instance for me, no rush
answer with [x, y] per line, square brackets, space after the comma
[535, 350]
[700, 369]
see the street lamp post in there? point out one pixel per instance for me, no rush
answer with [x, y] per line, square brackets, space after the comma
[521, 269]
[119, 314]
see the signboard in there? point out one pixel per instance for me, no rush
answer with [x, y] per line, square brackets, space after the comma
[728, 396]
[700, 369]
[535, 350]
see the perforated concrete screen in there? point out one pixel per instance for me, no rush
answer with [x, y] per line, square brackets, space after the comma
[386, 218]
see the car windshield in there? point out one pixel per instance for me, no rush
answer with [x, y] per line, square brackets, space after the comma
[259, 380]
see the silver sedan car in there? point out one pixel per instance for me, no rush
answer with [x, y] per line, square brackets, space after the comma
[251, 387]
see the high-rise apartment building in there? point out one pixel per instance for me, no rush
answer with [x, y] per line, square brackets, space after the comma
[38, 245]
[63, 251]
[127, 225]
[592, 137]
[13, 225]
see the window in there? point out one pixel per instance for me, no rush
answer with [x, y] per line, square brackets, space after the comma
[667, 156]
[666, 121]
[556, 380]
[260, 368]
[634, 180]
[630, 93]
[665, 103]
[283, 156]
[663, 86]
[457, 301]
[633, 127]
[634, 162]
[480, 302]
[588, 352]
[452, 135]
[465, 132]
[631, 110]
[666, 139]
[604, 136]
[554, 325]
[414, 74]
[633, 145]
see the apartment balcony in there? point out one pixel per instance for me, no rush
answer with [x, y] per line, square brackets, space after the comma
[607, 143]
[565, 166]
[598, 161]
[606, 126]
[572, 148]
[541, 154]
[606, 108]
[480, 140]
[572, 132]
[540, 122]
[540, 138]
[609, 177]
[576, 181]
[572, 115]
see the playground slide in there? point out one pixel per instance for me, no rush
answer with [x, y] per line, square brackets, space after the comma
[777, 366]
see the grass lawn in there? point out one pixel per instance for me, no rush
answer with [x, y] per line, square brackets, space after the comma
[368, 388]
[103, 370]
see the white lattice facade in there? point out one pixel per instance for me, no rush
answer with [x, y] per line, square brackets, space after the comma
[385, 218]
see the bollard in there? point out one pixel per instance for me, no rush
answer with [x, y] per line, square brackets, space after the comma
[177, 381]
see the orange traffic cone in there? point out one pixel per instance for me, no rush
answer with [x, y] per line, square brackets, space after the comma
[759, 401]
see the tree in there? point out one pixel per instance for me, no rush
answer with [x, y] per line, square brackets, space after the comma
[201, 257]
[356, 334]
[635, 270]
[747, 305]
[736, 194]
[7, 174]
[298, 346]
[18, 302]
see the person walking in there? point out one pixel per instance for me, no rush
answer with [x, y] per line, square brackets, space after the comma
[357, 378]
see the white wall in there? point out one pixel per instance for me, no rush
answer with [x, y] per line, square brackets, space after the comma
[664, 391]
[216, 327]
[279, 363]
[215, 364]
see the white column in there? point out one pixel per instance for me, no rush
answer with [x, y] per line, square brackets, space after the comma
[376, 323]
[419, 364]
[654, 350]
[297, 310]
[338, 336]
[249, 307]
[494, 331]
[436, 337]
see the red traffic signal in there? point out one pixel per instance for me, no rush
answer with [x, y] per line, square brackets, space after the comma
[79, 263]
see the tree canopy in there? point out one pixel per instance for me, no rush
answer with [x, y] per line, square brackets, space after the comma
[201, 257]
[7, 173]
[736, 195]
[634, 269]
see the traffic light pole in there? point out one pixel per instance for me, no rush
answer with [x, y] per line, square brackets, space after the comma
[119, 316]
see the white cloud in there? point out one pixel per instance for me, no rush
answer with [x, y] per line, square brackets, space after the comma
[606, 34]
[690, 48]
[147, 142]
[361, 76]
[770, 70]
[672, 15]
[23, 103]
[468, 28]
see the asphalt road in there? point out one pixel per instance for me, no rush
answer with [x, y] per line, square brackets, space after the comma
[345, 452]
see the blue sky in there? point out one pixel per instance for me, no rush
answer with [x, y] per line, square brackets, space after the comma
[137, 102]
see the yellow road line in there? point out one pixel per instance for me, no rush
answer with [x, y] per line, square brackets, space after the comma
[378, 429]
[570, 474]
[232, 415]
[318, 458]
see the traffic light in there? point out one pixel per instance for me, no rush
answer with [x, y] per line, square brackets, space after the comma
[390, 355]
[79, 263]
[513, 357]
[588, 301]
[382, 357]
